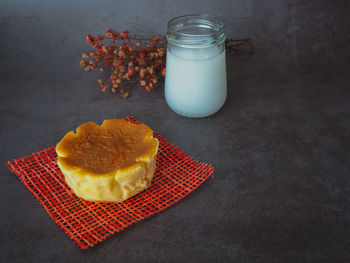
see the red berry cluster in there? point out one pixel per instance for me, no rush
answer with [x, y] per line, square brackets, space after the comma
[135, 58]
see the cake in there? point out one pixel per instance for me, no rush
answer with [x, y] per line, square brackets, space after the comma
[108, 163]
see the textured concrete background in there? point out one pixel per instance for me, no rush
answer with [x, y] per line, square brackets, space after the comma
[280, 145]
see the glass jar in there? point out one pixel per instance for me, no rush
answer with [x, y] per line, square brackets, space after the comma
[195, 80]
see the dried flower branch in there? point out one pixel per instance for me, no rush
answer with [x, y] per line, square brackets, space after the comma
[239, 46]
[136, 58]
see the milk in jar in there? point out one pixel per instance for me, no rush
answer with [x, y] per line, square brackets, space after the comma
[195, 82]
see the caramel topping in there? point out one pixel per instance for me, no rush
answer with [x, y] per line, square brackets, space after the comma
[102, 149]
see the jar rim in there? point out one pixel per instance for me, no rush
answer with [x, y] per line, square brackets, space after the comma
[210, 31]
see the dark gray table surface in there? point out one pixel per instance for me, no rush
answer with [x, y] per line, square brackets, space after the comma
[280, 145]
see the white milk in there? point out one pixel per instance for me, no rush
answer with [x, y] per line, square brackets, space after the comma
[195, 82]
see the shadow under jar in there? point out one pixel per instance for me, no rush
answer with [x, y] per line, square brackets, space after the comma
[195, 80]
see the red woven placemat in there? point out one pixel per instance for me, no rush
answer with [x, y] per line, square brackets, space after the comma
[89, 223]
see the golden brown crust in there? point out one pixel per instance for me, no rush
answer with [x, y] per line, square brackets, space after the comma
[114, 145]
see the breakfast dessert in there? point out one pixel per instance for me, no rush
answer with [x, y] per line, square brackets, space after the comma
[108, 163]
